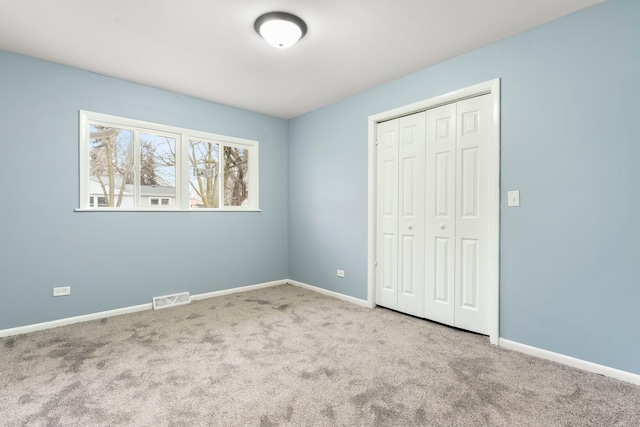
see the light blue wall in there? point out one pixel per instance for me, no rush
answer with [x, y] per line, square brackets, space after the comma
[569, 254]
[114, 260]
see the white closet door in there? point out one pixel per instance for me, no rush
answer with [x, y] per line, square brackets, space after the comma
[411, 202]
[440, 217]
[472, 214]
[387, 215]
[432, 249]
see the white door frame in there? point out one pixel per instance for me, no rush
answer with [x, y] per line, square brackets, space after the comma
[491, 87]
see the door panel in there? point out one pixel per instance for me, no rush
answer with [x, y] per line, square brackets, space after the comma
[469, 274]
[408, 187]
[442, 271]
[388, 261]
[440, 213]
[469, 170]
[411, 218]
[442, 183]
[389, 187]
[472, 215]
[387, 214]
[408, 249]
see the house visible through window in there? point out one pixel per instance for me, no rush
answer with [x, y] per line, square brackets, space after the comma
[96, 201]
[156, 201]
[133, 165]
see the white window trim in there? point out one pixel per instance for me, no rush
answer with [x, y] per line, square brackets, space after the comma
[182, 137]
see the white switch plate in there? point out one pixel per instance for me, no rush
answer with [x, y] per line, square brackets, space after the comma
[61, 291]
[340, 273]
[513, 198]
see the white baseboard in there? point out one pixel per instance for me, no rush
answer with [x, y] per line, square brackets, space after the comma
[236, 290]
[571, 361]
[71, 320]
[343, 297]
[110, 313]
[117, 312]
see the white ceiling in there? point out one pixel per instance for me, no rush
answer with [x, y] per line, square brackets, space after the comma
[209, 49]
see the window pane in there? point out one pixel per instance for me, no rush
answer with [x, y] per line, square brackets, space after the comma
[236, 176]
[111, 166]
[204, 158]
[157, 169]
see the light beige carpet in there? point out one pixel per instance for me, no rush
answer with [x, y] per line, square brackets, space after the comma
[286, 356]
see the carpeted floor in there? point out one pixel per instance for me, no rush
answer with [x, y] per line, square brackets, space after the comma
[286, 356]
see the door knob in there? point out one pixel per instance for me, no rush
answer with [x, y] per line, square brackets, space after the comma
[441, 226]
[411, 227]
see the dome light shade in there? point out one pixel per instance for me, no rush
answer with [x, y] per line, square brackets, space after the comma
[280, 29]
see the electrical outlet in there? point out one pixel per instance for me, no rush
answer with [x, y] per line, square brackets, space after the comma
[340, 273]
[61, 291]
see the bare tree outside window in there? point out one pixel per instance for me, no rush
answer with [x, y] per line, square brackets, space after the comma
[236, 176]
[204, 159]
[157, 167]
[157, 160]
[111, 161]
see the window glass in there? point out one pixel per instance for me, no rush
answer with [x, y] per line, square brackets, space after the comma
[204, 159]
[157, 168]
[111, 165]
[236, 176]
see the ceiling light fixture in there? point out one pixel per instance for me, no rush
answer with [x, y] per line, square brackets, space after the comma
[280, 29]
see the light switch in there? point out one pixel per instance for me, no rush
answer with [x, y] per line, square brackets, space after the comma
[513, 198]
